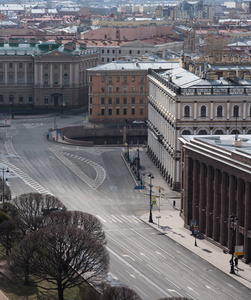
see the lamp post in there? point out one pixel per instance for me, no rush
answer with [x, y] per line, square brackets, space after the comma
[4, 170]
[138, 163]
[233, 219]
[151, 206]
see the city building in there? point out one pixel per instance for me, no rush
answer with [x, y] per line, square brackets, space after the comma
[119, 90]
[216, 188]
[183, 103]
[45, 74]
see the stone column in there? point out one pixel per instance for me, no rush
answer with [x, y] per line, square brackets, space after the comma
[186, 175]
[216, 205]
[195, 203]
[202, 198]
[209, 202]
[239, 208]
[247, 223]
[231, 209]
[224, 210]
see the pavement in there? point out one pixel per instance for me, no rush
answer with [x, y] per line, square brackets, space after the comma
[166, 219]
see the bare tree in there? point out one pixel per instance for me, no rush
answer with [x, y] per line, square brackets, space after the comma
[32, 207]
[7, 191]
[8, 235]
[77, 219]
[63, 255]
[119, 293]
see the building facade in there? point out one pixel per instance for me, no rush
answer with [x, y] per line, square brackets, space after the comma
[215, 185]
[44, 75]
[119, 90]
[182, 103]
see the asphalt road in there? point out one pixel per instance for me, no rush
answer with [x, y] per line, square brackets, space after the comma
[97, 181]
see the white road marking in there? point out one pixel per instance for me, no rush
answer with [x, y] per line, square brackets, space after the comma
[130, 274]
[116, 218]
[160, 254]
[103, 220]
[143, 254]
[174, 291]
[127, 219]
[208, 287]
[190, 296]
[209, 295]
[191, 289]
[228, 294]
[190, 281]
[206, 279]
[171, 267]
[173, 283]
[141, 291]
[153, 269]
[126, 255]
[186, 266]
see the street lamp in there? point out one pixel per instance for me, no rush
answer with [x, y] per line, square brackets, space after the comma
[138, 163]
[233, 219]
[4, 170]
[151, 206]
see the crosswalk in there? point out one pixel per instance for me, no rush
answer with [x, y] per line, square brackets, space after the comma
[128, 219]
[32, 125]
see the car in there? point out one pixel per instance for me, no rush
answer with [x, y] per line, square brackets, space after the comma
[138, 122]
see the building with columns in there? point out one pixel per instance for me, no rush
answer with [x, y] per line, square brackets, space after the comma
[183, 103]
[46, 74]
[215, 184]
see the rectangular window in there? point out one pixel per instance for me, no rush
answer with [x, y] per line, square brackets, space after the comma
[113, 51]
[1, 65]
[30, 98]
[11, 98]
[102, 100]
[130, 51]
[1, 78]
[21, 98]
[110, 111]
[119, 51]
[125, 88]
[90, 111]
[102, 89]
[102, 111]
[117, 111]
[133, 78]
[117, 100]
[124, 100]
[30, 78]
[133, 88]
[124, 111]
[20, 79]
[141, 111]
[65, 66]
[1, 98]
[110, 78]
[109, 89]
[46, 66]
[138, 51]
[103, 78]
[108, 59]
[20, 65]
[117, 79]
[55, 66]
[90, 100]
[10, 65]
[117, 88]
[90, 78]
[125, 78]
[46, 99]
[103, 51]
[11, 79]
[141, 78]
[141, 100]
[133, 100]
[103, 59]
[110, 100]
[108, 51]
[133, 111]
[91, 88]
[141, 89]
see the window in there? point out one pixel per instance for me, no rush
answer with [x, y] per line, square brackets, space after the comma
[117, 100]
[141, 100]
[103, 78]
[110, 111]
[65, 66]
[141, 111]
[11, 79]
[133, 100]
[130, 51]
[113, 59]
[141, 89]
[102, 89]
[109, 89]
[102, 111]
[202, 132]
[20, 78]
[133, 78]
[1, 78]
[1, 98]
[119, 51]
[20, 65]
[46, 99]
[90, 100]
[138, 51]
[90, 88]
[117, 111]
[110, 101]
[117, 79]
[124, 111]
[103, 51]
[125, 78]
[30, 65]
[30, 78]
[110, 78]
[90, 78]
[219, 111]
[46, 79]
[125, 88]
[108, 51]
[117, 88]
[90, 111]
[55, 66]
[218, 131]
[105, 36]
[141, 78]
[56, 79]
[11, 65]
[203, 111]
[11, 97]
[102, 100]
[103, 59]
[133, 111]
[46, 66]
[20, 98]
[124, 100]
[133, 88]
[1, 65]
[108, 59]
[186, 111]
[186, 132]
[236, 111]
[66, 81]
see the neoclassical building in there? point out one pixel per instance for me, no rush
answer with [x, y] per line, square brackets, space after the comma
[46, 74]
[182, 103]
[215, 185]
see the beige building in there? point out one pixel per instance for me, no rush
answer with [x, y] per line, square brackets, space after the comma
[45, 74]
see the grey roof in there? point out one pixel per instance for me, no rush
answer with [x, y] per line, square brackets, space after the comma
[122, 65]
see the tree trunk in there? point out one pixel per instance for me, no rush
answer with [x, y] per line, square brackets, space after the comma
[60, 291]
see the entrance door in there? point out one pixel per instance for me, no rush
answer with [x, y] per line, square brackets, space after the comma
[56, 101]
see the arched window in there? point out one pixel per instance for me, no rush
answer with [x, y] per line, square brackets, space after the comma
[55, 78]
[218, 131]
[219, 111]
[236, 111]
[203, 111]
[186, 132]
[249, 131]
[187, 111]
[202, 132]
[235, 131]
[66, 79]
[46, 79]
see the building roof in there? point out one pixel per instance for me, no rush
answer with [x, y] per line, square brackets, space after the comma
[122, 65]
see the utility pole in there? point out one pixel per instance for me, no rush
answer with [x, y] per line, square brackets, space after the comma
[150, 215]
[138, 163]
[233, 219]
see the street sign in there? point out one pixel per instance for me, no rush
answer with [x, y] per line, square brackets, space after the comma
[154, 202]
[158, 217]
[154, 197]
[139, 187]
[238, 250]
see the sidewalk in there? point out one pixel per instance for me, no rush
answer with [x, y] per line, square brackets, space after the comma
[167, 220]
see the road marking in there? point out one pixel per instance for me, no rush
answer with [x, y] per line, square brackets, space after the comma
[228, 294]
[126, 255]
[126, 219]
[206, 279]
[160, 254]
[130, 274]
[209, 295]
[173, 283]
[143, 254]
[101, 218]
[141, 291]
[190, 281]
[208, 287]
[190, 296]
[171, 267]
[116, 218]
[123, 276]
[191, 289]
[153, 269]
[186, 265]
[174, 291]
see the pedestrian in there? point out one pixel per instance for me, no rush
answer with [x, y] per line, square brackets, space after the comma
[47, 136]
[236, 261]
[174, 202]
